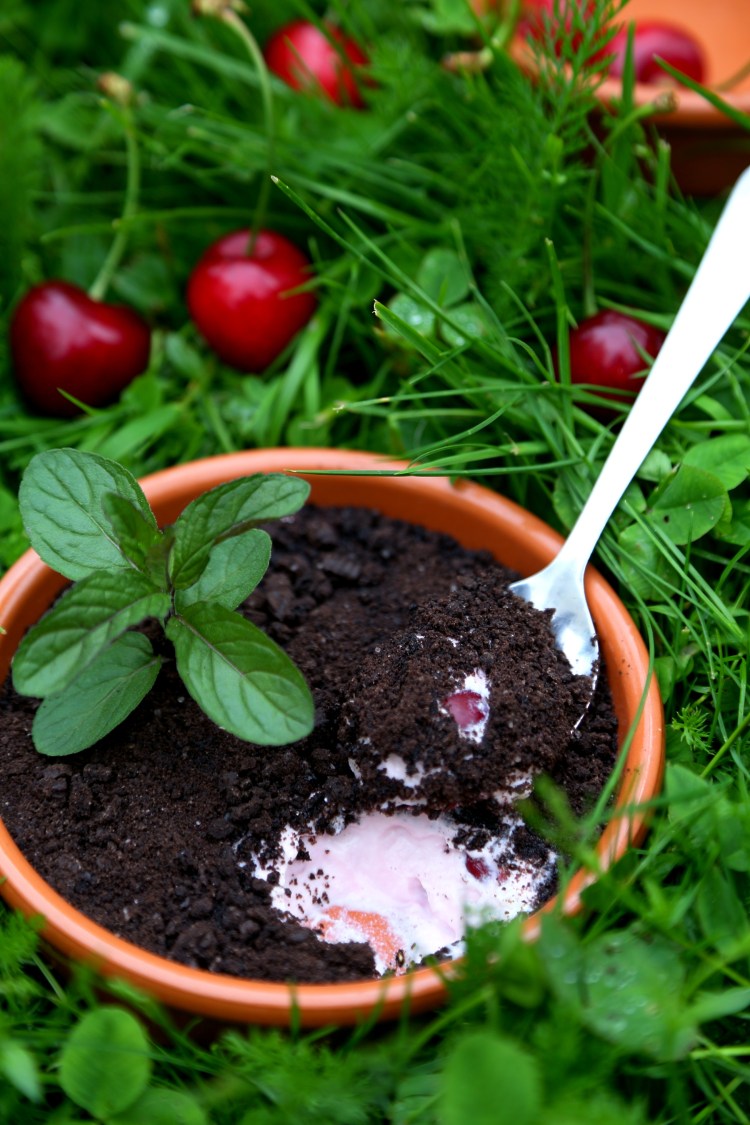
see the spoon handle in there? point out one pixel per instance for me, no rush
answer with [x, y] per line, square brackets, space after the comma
[717, 294]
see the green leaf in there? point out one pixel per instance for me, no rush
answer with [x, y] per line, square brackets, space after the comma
[395, 325]
[235, 567]
[488, 1080]
[688, 795]
[239, 677]
[722, 915]
[643, 564]
[626, 990]
[99, 699]
[415, 1093]
[161, 1107]
[443, 277]
[147, 283]
[715, 1005]
[105, 1064]
[18, 1065]
[13, 541]
[85, 620]
[184, 357]
[21, 115]
[448, 17]
[736, 530]
[136, 534]
[695, 813]
[63, 507]
[727, 457]
[229, 510]
[689, 504]
[406, 310]
[655, 467]
[593, 1107]
[471, 322]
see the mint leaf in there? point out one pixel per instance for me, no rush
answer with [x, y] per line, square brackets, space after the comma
[235, 567]
[136, 533]
[239, 677]
[86, 620]
[99, 699]
[62, 502]
[229, 510]
[88, 517]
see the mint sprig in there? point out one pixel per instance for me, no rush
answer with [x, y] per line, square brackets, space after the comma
[88, 518]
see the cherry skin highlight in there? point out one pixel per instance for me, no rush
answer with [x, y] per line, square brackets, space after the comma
[671, 43]
[606, 350]
[304, 57]
[242, 304]
[62, 339]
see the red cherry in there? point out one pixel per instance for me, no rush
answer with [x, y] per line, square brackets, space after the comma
[241, 303]
[477, 867]
[62, 339]
[607, 350]
[304, 57]
[466, 708]
[675, 46]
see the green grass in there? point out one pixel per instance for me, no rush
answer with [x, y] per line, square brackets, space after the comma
[637, 1011]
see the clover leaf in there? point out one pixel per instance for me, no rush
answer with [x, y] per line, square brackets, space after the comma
[88, 517]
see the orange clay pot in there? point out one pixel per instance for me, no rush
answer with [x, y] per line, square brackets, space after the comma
[477, 518]
[708, 149]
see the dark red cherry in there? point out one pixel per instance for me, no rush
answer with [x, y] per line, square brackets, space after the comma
[305, 58]
[676, 46]
[607, 351]
[242, 302]
[466, 707]
[62, 339]
[477, 867]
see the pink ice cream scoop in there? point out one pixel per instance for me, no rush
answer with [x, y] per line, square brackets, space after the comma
[403, 884]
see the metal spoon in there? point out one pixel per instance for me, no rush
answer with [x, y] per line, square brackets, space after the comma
[719, 291]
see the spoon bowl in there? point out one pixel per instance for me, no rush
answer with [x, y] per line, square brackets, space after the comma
[717, 294]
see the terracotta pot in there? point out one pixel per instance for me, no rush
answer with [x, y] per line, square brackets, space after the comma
[478, 518]
[709, 150]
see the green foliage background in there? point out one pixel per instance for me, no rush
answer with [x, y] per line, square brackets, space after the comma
[458, 226]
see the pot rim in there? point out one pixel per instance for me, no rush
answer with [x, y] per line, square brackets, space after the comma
[436, 500]
[677, 106]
